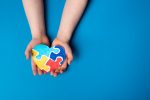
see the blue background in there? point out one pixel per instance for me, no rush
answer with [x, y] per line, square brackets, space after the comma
[111, 47]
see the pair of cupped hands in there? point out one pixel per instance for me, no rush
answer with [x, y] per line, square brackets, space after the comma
[43, 39]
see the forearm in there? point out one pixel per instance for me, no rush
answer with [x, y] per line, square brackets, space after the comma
[72, 12]
[35, 15]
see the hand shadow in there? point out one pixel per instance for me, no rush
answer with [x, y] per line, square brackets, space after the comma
[73, 44]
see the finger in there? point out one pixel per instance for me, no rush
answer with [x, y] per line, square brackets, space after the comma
[70, 58]
[55, 74]
[69, 54]
[64, 65]
[34, 70]
[57, 70]
[61, 71]
[28, 51]
[44, 72]
[39, 71]
[52, 73]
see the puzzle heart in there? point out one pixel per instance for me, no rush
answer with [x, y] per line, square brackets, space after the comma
[48, 59]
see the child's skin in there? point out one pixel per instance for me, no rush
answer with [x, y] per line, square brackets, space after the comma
[71, 14]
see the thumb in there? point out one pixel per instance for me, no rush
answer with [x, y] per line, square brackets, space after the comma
[28, 51]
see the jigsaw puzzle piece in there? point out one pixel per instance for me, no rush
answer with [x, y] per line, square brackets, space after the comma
[60, 54]
[44, 50]
[54, 64]
[42, 62]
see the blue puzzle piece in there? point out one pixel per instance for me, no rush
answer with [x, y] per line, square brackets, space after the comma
[45, 50]
[61, 54]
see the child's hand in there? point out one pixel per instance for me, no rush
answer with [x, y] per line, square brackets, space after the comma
[41, 39]
[69, 56]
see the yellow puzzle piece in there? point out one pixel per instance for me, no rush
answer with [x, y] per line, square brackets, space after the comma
[42, 62]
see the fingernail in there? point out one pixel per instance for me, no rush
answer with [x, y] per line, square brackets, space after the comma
[40, 74]
[55, 75]
[34, 73]
[69, 63]
[27, 57]
[61, 72]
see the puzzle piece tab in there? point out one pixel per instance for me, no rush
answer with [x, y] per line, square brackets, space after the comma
[42, 62]
[45, 50]
[61, 54]
[54, 64]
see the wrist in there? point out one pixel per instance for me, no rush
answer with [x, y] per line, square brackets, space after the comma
[63, 38]
[38, 36]
[57, 41]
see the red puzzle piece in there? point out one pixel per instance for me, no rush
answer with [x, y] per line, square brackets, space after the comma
[54, 64]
